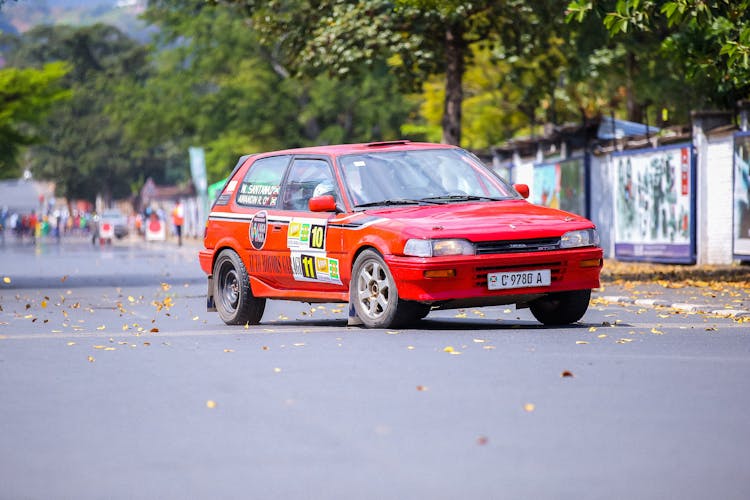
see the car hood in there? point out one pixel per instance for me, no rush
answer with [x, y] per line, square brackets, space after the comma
[483, 221]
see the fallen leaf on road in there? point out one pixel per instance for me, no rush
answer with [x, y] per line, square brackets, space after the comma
[211, 404]
[566, 373]
[91, 359]
[581, 342]
[529, 407]
[422, 388]
[482, 440]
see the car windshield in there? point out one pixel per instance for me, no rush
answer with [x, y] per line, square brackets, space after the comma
[420, 177]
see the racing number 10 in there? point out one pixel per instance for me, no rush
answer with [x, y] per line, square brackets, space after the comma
[317, 237]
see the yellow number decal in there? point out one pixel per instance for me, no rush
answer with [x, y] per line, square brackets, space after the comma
[308, 267]
[317, 237]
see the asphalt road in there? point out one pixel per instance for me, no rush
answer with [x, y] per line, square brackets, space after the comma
[116, 384]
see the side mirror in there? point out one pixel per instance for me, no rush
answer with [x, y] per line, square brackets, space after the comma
[523, 189]
[324, 203]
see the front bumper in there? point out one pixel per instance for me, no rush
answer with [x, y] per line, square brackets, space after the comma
[574, 269]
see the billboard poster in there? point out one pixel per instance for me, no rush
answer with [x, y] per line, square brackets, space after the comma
[742, 196]
[560, 185]
[654, 200]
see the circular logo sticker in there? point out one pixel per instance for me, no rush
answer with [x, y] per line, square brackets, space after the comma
[258, 229]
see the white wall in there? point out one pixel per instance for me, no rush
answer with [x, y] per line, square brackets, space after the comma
[714, 201]
[602, 204]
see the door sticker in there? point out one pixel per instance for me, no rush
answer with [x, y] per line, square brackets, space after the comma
[258, 229]
[306, 239]
[307, 234]
[315, 266]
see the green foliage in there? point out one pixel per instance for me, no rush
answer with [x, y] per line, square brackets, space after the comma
[26, 96]
[232, 95]
[707, 42]
[83, 150]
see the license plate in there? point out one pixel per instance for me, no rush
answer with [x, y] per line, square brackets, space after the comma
[519, 279]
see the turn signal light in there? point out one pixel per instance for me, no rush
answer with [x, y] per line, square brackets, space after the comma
[440, 273]
[591, 263]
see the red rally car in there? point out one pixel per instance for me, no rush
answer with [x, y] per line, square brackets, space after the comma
[396, 229]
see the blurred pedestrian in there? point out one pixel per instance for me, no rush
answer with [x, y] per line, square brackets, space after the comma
[3, 224]
[178, 219]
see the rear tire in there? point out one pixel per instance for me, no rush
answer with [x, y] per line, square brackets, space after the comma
[233, 297]
[375, 294]
[561, 308]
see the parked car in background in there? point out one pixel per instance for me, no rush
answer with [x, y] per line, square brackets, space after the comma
[108, 225]
[396, 229]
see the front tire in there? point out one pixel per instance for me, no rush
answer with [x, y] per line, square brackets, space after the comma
[375, 294]
[234, 299]
[561, 308]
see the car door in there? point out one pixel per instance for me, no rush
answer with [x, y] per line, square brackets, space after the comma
[255, 212]
[305, 238]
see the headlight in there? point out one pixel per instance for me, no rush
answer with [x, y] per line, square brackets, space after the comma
[438, 248]
[580, 238]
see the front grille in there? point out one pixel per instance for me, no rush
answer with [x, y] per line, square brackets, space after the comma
[510, 246]
[557, 269]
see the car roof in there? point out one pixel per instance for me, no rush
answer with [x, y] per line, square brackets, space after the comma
[369, 147]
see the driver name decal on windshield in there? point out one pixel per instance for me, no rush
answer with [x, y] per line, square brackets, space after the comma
[258, 194]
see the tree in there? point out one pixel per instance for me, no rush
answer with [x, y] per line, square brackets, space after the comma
[82, 149]
[418, 38]
[708, 41]
[26, 96]
[232, 95]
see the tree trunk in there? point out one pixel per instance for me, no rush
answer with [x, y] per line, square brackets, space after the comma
[454, 71]
[635, 111]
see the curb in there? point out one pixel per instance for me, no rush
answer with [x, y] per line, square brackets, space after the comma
[680, 306]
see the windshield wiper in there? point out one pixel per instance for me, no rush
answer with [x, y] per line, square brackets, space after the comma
[399, 201]
[461, 197]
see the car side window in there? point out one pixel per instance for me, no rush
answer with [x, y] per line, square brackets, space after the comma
[262, 183]
[307, 178]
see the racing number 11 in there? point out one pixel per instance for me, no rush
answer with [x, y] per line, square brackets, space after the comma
[308, 266]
